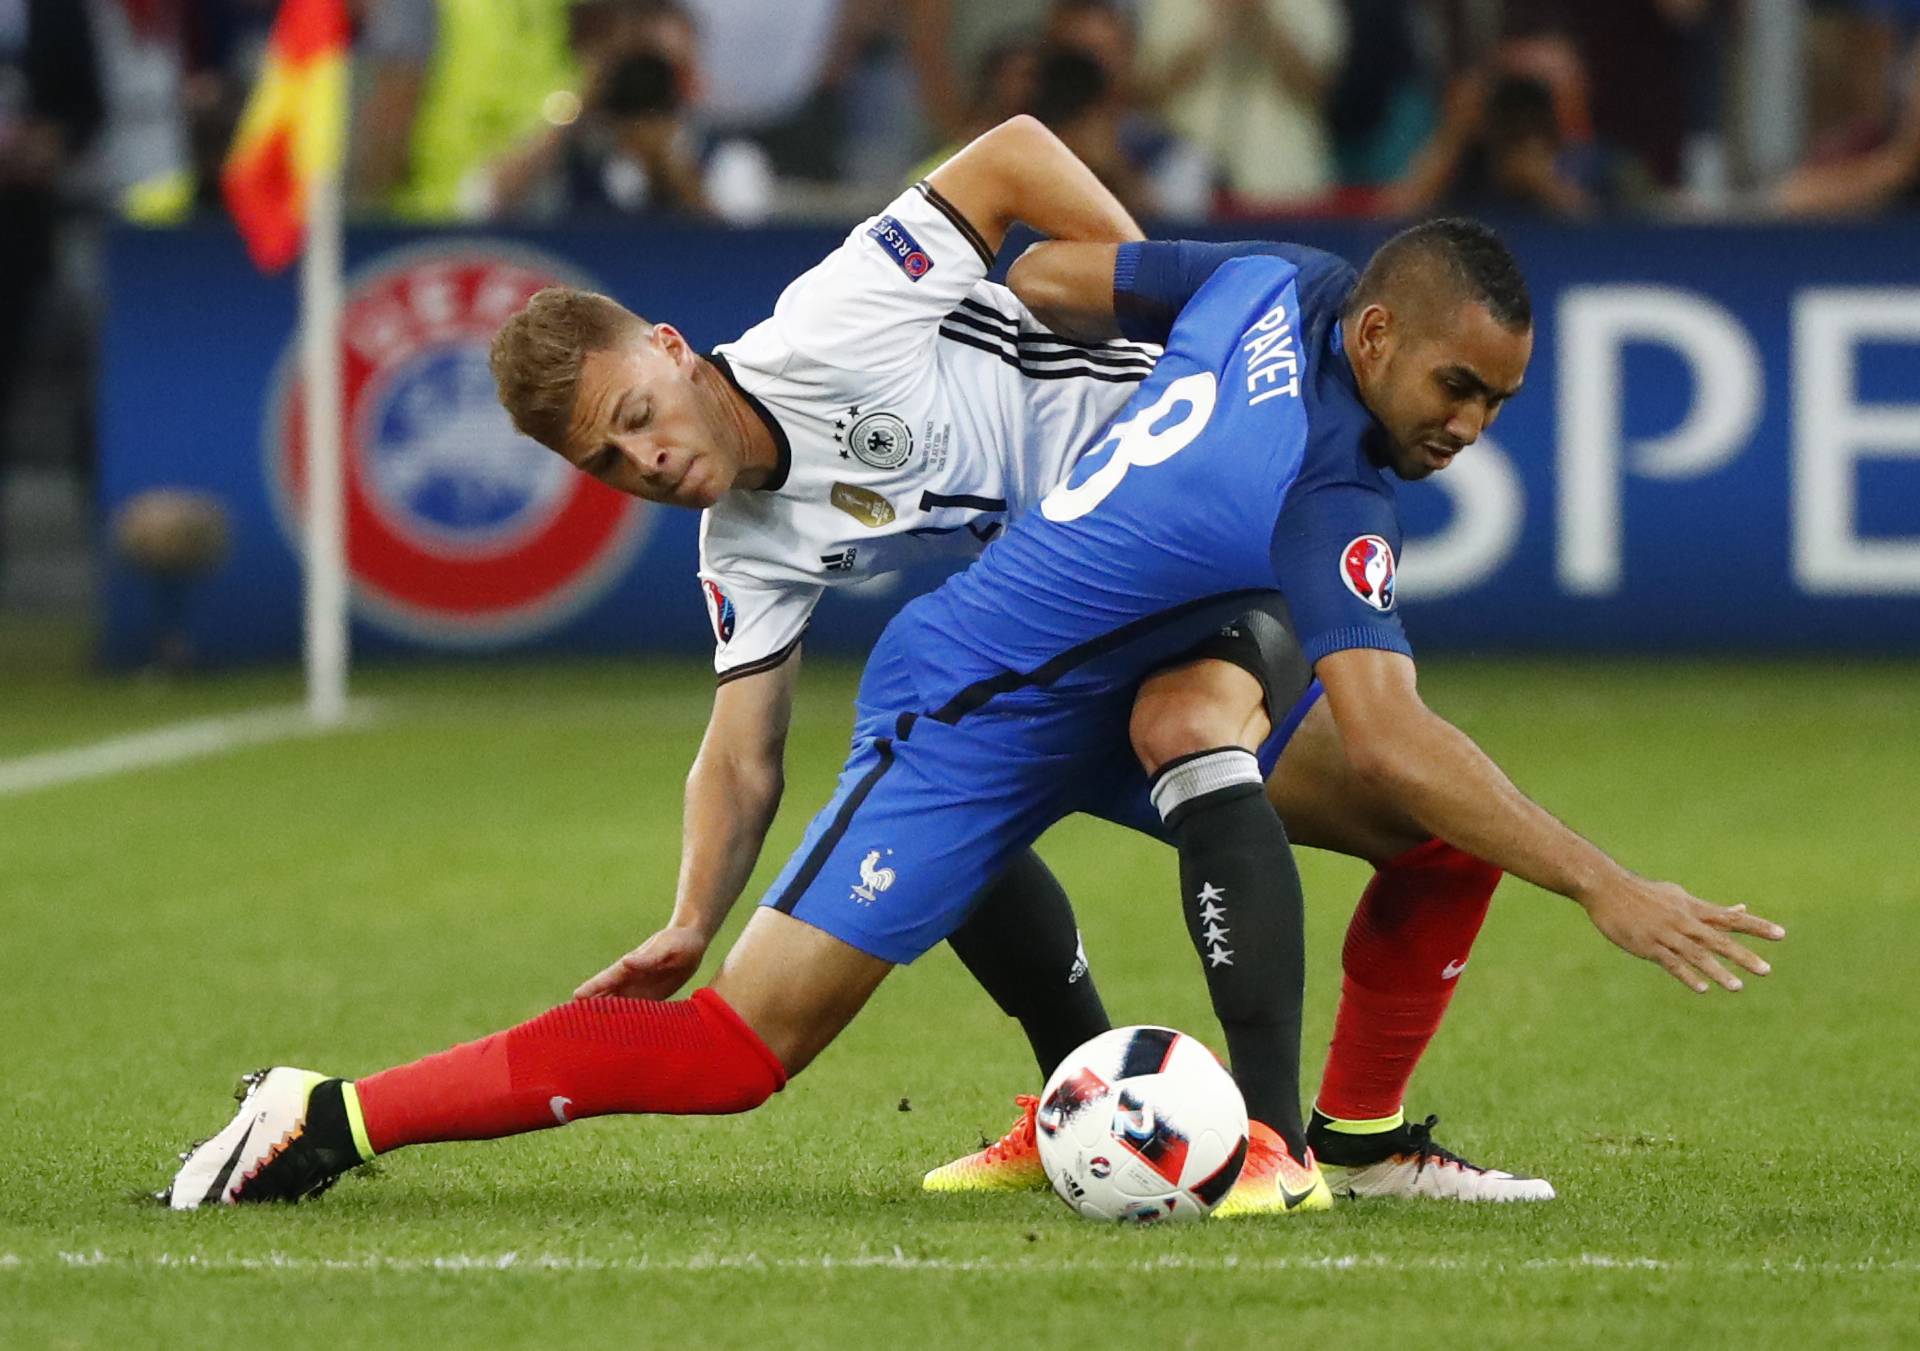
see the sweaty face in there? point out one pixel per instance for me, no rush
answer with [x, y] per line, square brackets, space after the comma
[1437, 381]
[642, 424]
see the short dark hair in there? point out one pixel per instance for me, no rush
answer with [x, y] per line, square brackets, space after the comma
[1457, 250]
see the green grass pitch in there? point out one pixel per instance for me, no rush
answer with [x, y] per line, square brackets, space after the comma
[1733, 1170]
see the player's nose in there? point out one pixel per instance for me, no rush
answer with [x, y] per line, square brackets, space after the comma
[647, 455]
[1465, 426]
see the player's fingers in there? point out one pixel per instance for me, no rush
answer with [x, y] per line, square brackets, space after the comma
[1736, 952]
[1670, 962]
[1735, 919]
[595, 986]
[1696, 955]
[609, 980]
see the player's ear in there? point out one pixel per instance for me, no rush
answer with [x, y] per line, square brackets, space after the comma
[1373, 330]
[673, 343]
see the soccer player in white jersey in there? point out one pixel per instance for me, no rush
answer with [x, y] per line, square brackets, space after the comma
[897, 404]
[895, 407]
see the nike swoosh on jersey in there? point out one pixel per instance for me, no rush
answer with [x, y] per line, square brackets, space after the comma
[559, 1106]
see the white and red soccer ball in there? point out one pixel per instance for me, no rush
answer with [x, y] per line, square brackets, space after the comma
[1142, 1124]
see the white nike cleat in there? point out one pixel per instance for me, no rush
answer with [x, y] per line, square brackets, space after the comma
[284, 1144]
[1407, 1162]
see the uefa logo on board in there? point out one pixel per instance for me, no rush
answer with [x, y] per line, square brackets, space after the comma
[460, 531]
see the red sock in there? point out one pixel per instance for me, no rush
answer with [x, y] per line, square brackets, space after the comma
[1405, 948]
[593, 1057]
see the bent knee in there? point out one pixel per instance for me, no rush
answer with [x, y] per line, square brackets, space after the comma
[1198, 707]
[1471, 872]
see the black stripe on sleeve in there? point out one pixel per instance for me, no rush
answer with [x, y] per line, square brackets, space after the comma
[931, 500]
[1037, 348]
[960, 222]
[1117, 348]
[766, 663]
[1037, 372]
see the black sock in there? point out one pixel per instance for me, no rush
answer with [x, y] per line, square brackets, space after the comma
[327, 1128]
[1022, 945]
[1240, 893]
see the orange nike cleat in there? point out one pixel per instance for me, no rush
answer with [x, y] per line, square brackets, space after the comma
[1009, 1164]
[1273, 1182]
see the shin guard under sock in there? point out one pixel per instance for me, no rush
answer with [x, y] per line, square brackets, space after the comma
[1022, 944]
[1240, 893]
[593, 1057]
[1406, 946]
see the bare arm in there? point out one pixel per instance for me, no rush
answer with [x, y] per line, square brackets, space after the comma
[1851, 187]
[1021, 171]
[1432, 169]
[1069, 287]
[1075, 287]
[1445, 782]
[733, 792]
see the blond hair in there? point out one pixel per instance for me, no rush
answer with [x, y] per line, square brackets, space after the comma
[537, 354]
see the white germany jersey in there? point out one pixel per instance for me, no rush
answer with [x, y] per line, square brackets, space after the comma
[917, 408]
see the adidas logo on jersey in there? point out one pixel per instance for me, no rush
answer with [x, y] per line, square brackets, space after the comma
[841, 561]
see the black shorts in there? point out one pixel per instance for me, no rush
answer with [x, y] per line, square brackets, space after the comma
[1261, 643]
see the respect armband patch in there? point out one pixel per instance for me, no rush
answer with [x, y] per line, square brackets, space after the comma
[900, 245]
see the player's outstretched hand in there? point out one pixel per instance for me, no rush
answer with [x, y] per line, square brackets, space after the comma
[1684, 935]
[654, 970]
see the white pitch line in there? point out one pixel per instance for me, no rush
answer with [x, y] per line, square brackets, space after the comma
[166, 746]
[897, 1260]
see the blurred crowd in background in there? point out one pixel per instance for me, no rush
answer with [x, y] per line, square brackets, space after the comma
[469, 111]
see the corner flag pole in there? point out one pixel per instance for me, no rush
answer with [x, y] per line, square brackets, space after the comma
[326, 526]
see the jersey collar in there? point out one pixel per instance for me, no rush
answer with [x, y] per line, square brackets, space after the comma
[781, 445]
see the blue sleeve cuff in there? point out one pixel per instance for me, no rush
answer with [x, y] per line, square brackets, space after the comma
[1357, 635]
[1143, 314]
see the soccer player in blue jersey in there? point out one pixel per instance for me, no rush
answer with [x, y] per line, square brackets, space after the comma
[1259, 457]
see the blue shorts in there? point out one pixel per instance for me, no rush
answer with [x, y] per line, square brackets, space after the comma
[926, 813]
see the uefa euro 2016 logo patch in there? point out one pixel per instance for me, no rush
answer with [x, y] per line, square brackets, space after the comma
[460, 531]
[900, 245]
[720, 610]
[1366, 566]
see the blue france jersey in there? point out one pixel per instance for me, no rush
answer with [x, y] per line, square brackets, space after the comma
[1243, 465]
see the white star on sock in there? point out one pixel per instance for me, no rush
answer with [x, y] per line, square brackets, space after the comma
[1211, 912]
[1209, 892]
[1213, 933]
[1219, 957]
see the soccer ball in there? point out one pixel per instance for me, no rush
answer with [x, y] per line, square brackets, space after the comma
[1142, 1124]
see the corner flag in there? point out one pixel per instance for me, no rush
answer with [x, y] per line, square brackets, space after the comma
[293, 132]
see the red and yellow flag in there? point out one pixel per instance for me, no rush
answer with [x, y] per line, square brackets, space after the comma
[293, 131]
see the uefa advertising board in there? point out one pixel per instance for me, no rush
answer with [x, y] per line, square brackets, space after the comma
[1717, 447]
